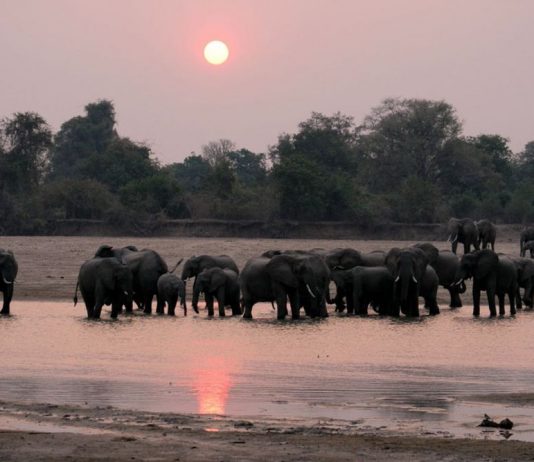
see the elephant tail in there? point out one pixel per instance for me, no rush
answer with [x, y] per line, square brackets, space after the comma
[75, 299]
[176, 266]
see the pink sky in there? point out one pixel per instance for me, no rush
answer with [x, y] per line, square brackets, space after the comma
[287, 58]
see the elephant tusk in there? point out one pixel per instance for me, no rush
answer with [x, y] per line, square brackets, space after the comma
[455, 239]
[310, 291]
[397, 279]
[449, 238]
[125, 293]
[415, 279]
[6, 281]
[458, 282]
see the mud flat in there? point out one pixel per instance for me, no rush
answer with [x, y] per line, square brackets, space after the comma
[48, 433]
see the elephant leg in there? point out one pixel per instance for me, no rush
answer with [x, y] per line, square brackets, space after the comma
[147, 303]
[519, 303]
[221, 300]
[491, 301]
[8, 295]
[97, 309]
[467, 248]
[501, 298]
[281, 305]
[209, 303]
[350, 301]
[116, 307]
[476, 299]
[456, 301]
[340, 305]
[171, 305]
[294, 304]
[247, 312]
[433, 306]
[236, 308]
[160, 303]
[511, 298]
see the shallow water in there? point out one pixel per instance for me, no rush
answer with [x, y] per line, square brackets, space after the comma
[414, 376]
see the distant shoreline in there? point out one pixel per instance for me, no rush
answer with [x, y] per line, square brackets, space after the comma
[250, 229]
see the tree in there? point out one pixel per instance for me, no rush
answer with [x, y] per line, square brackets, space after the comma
[82, 137]
[498, 151]
[26, 139]
[405, 137]
[216, 151]
[88, 147]
[249, 168]
[313, 168]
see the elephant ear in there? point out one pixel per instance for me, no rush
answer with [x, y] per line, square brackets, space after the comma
[281, 268]
[104, 251]
[217, 280]
[391, 259]
[487, 262]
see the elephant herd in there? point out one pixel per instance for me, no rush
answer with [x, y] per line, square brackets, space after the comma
[390, 283]
[293, 281]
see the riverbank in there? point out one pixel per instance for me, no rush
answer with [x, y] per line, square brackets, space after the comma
[46, 432]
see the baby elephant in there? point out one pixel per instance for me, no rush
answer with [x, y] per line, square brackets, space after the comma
[220, 284]
[170, 288]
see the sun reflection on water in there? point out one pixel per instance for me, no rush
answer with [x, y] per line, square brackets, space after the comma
[212, 385]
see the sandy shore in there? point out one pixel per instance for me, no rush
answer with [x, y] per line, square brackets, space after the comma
[43, 432]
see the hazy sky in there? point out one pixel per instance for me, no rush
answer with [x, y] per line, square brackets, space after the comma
[287, 58]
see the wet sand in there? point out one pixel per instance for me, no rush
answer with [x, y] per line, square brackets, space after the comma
[50, 433]
[30, 431]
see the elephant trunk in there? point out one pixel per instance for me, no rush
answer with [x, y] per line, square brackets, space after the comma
[196, 294]
[75, 298]
[183, 302]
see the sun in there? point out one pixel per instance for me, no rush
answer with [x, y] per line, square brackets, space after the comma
[216, 52]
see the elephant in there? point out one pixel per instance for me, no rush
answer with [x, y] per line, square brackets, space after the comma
[8, 272]
[346, 259]
[526, 235]
[284, 277]
[104, 281]
[170, 289]
[218, 283]
[463, 230]
[487, 232]
[497, 275]
[146, 266]
[529, 245]
[408, 268]
[525, 280]
[196, 264]
[446, 265]
[371, 285]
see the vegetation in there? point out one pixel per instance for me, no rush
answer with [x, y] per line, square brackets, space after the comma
[408, 161]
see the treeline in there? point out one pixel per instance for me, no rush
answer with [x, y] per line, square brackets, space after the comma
[408, 161]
